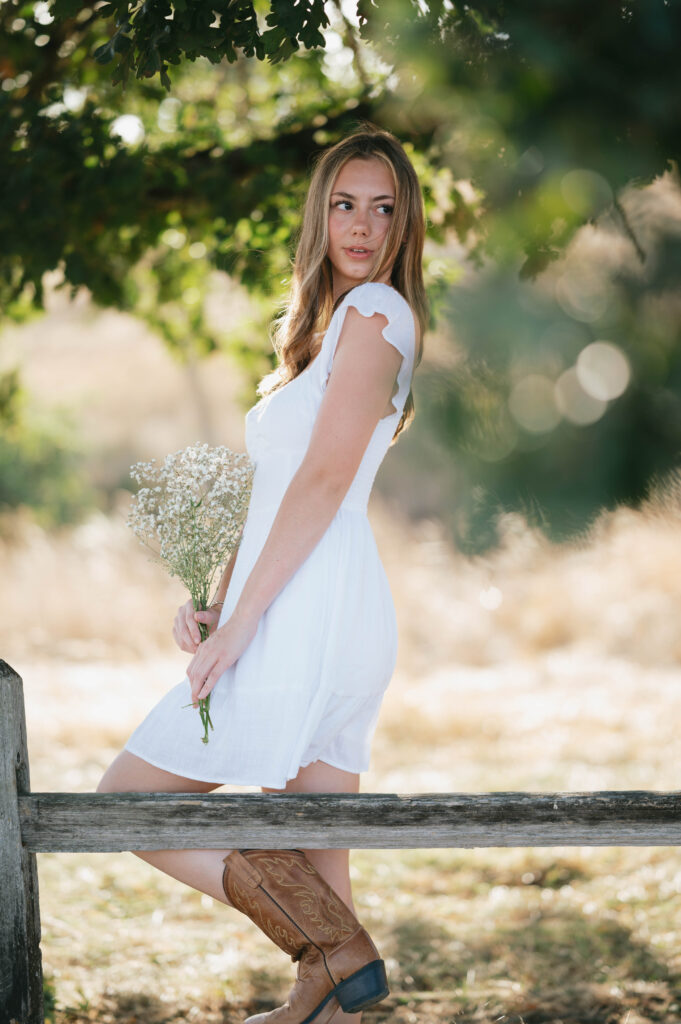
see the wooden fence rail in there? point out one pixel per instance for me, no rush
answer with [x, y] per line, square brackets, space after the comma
[78, 822]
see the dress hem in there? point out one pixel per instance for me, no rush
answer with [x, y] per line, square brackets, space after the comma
[333, 764]
[236, 782]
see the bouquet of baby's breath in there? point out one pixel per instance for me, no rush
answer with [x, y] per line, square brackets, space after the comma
[189, 511]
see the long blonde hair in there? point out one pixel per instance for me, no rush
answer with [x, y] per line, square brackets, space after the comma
[310, 303]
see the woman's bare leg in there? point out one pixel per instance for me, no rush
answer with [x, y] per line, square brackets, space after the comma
[333, 865]
[201, 869]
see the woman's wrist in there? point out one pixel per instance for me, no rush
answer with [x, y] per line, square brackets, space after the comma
[249, 616]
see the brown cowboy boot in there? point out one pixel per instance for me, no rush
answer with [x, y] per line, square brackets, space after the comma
[284, 894]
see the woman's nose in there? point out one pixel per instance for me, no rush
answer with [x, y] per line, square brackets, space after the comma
[360, 222]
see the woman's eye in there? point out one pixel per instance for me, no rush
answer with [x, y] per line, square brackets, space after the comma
[346, 204]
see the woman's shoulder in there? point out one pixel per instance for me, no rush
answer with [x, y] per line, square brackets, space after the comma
[377, 297]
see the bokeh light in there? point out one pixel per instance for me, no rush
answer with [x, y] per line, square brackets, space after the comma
[582, 294]
[603, 370]
[168, 113]
[129, 128]
[576, 404]
[532, 403]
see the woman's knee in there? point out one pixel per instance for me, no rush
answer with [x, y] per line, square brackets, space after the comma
[320, 777]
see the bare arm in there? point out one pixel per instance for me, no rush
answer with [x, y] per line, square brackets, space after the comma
[221, 592]
[359, 388]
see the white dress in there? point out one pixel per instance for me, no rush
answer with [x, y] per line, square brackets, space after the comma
[310, 683]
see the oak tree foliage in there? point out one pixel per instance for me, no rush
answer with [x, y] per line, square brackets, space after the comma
[145, 145]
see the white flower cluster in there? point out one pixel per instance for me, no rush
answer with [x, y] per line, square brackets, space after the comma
[190, 511]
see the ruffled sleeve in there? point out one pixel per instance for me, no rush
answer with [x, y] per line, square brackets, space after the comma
[374, 297]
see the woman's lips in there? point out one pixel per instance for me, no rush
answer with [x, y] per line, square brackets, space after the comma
[358, 253]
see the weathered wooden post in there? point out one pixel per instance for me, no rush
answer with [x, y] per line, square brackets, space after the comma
[21, 974]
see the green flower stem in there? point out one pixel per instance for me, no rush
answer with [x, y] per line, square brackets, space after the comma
[200, 604]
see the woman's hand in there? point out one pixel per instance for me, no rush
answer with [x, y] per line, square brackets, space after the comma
[217, 653]
[186, 625]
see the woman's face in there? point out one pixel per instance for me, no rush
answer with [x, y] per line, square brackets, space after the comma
[361, 206]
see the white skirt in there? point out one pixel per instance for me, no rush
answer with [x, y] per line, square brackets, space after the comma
[310, 684]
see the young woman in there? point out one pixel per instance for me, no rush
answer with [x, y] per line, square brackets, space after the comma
[303, 637]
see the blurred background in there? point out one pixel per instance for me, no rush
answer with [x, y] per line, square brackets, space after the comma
[154, 163]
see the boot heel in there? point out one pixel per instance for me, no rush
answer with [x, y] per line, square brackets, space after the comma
[363, 988]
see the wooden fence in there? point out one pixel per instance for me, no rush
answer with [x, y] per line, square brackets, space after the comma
[75, 822]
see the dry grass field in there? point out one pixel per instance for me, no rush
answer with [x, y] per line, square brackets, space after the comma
[536, 668]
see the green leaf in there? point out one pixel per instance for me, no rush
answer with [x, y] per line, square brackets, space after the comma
[121, 43]
[104, 54]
